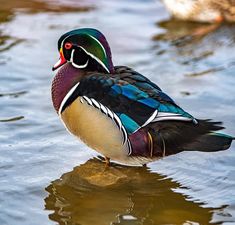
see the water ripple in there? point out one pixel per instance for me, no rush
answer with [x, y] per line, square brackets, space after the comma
[12, 119]
[13, 94]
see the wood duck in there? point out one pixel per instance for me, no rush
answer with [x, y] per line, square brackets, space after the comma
[202, 10]
[119, 112]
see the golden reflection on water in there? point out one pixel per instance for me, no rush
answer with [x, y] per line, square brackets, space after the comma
[92, 194]
[179, 32]
[8, 7]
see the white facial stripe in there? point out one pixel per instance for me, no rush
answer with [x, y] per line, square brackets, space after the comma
[94, 57]
[80, 66]
[67, 97]
[99, 44]
[75, 65]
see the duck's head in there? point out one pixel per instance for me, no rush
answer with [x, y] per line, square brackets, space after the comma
[85, 48]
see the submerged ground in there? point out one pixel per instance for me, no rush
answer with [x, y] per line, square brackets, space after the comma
[48, 177]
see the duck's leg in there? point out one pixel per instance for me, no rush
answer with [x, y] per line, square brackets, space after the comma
[107, 161]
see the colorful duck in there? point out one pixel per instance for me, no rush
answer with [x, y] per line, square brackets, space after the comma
[119, 112]
[202, 10]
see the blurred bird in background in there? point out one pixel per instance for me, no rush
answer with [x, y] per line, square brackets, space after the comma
[212, 11]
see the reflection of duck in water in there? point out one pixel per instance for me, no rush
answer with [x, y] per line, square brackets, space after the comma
[119, 112]
[90, 195]
[202, 10]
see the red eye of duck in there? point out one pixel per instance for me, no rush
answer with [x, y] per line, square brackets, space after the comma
[68, 45]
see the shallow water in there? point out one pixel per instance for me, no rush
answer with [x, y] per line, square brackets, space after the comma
[36, 150]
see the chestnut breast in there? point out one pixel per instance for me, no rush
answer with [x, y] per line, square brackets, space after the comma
[65, 79]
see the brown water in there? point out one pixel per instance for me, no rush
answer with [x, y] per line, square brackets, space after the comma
[46, 175]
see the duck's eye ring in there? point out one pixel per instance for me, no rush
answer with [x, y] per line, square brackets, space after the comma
[68, 45]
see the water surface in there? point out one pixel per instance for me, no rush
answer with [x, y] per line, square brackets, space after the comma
[41, 165]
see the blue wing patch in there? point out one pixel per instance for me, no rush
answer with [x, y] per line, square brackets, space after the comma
[150, 102]
[135, 94]
[129, 124]
[173, 109]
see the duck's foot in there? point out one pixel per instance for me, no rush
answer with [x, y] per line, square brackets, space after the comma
[104, 159]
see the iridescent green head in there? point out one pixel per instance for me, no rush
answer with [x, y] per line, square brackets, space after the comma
[85, 48]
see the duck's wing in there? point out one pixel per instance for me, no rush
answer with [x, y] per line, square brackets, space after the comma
[166, 108]
[129, 97]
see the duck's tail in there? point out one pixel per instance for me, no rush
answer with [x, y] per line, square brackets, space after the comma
[211, 142]
[171, 137]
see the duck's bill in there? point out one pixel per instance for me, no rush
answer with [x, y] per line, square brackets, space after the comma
[60, 62]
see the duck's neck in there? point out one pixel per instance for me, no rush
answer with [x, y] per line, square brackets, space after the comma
[65, 79]
[93, 65]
